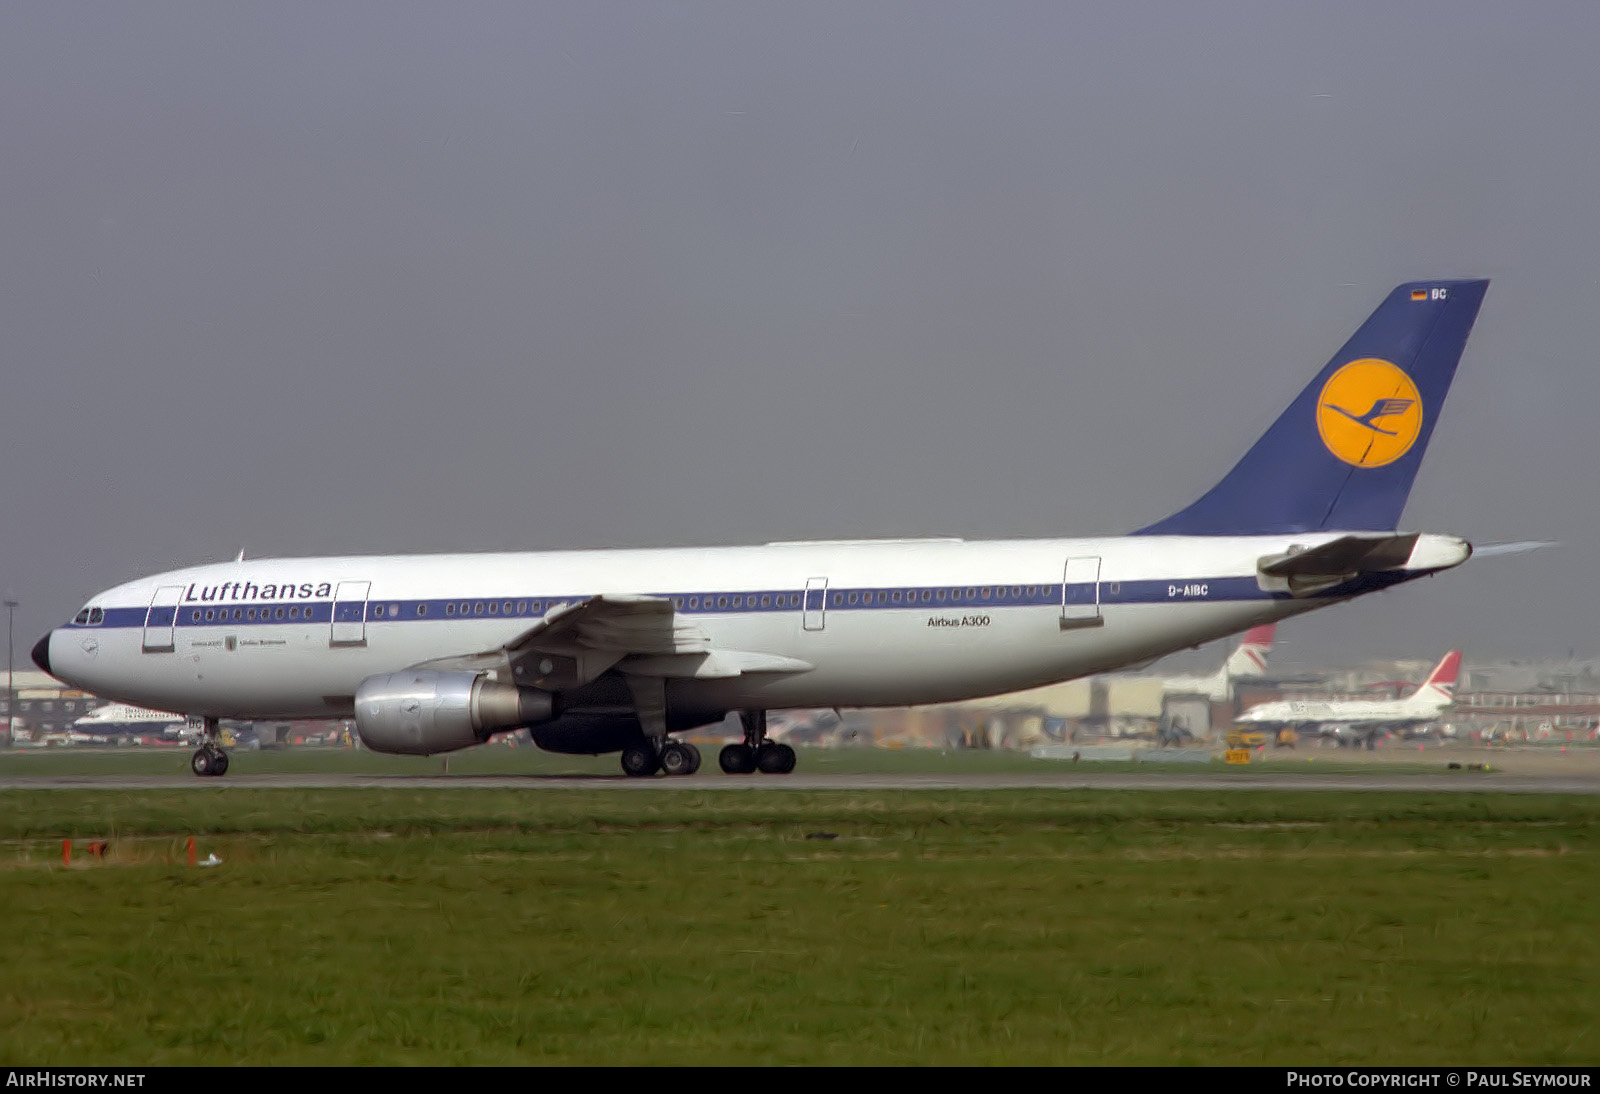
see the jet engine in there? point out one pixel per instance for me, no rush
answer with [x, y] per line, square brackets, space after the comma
[419, 712]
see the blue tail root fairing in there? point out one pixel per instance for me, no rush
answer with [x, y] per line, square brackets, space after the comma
[1344, 455]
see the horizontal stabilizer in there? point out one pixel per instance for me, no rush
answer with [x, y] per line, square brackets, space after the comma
[1344, 556]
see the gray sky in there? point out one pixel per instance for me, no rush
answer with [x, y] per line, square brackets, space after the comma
[311, 278]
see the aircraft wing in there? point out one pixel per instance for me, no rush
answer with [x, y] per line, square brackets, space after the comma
[640, 635]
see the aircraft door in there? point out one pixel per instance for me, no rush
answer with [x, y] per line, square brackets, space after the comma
[1080, 593]
[161, 619]
[814, 613]
[350, 614]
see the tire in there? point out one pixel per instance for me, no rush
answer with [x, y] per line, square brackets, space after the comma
[219, 764]
[639, 761]
[200, 762]
[694, 755]
[676, 759]
[775, 759]
[737, 759]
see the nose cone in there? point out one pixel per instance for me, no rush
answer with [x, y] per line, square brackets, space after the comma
[41, 653]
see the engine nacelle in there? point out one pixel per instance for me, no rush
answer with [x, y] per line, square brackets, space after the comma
[420, 712]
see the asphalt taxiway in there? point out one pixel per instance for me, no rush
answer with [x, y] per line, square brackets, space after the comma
[1462, 782]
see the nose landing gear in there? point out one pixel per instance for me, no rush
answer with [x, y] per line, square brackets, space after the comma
[209, 759]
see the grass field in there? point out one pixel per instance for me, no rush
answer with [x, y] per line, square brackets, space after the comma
[444, 927]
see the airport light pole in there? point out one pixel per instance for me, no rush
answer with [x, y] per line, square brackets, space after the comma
[11, 686]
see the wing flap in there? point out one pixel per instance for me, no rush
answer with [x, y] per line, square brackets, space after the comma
[714, 664]
[578, 641]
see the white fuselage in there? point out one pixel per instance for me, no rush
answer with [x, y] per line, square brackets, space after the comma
[879, 623]
[123, 718]
[1364, 713]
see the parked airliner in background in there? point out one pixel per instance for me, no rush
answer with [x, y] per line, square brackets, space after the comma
[122, 720]
[1363, 721]
[603, 651]
[1248, 661]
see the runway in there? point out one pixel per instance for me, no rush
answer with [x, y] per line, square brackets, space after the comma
[1465, 782]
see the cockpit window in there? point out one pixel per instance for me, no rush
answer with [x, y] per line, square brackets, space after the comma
[96, 615]
[89, 617]
[82, 617]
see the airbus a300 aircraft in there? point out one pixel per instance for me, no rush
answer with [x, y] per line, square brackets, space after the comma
[604, 651]
[1357, 721]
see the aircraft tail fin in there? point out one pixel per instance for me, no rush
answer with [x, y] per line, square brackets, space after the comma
[1439, 688]
[1249, 659]
[1344, 454]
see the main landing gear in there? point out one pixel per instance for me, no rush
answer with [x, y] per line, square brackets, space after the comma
[643, 759]
[209, 759]
[756, 753]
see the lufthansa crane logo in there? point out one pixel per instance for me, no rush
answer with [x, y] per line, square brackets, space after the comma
[1369, 413]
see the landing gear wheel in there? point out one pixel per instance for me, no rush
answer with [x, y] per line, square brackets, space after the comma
[775, 759]
[200, 762]
[640, 760]
[737, 759]
[219, 763]
[679, 759]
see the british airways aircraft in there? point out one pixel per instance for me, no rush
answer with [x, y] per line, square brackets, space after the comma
[1362, 721]
[608, 651]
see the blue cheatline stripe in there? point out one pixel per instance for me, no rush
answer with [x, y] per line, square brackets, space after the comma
[742, 602]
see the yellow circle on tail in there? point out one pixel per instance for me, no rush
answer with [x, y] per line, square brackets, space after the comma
[1369, 413]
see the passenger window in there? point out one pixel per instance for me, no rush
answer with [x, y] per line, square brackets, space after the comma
[278, 614]
[939, 595]
[722, 602]
[194, 616]
[449, 609]
[494, 608]
[766, 601]
[895, 596]
[506, 607]
[211, 613]
[422, 610]
[522, 607]
[694, 602]
[838, 599]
